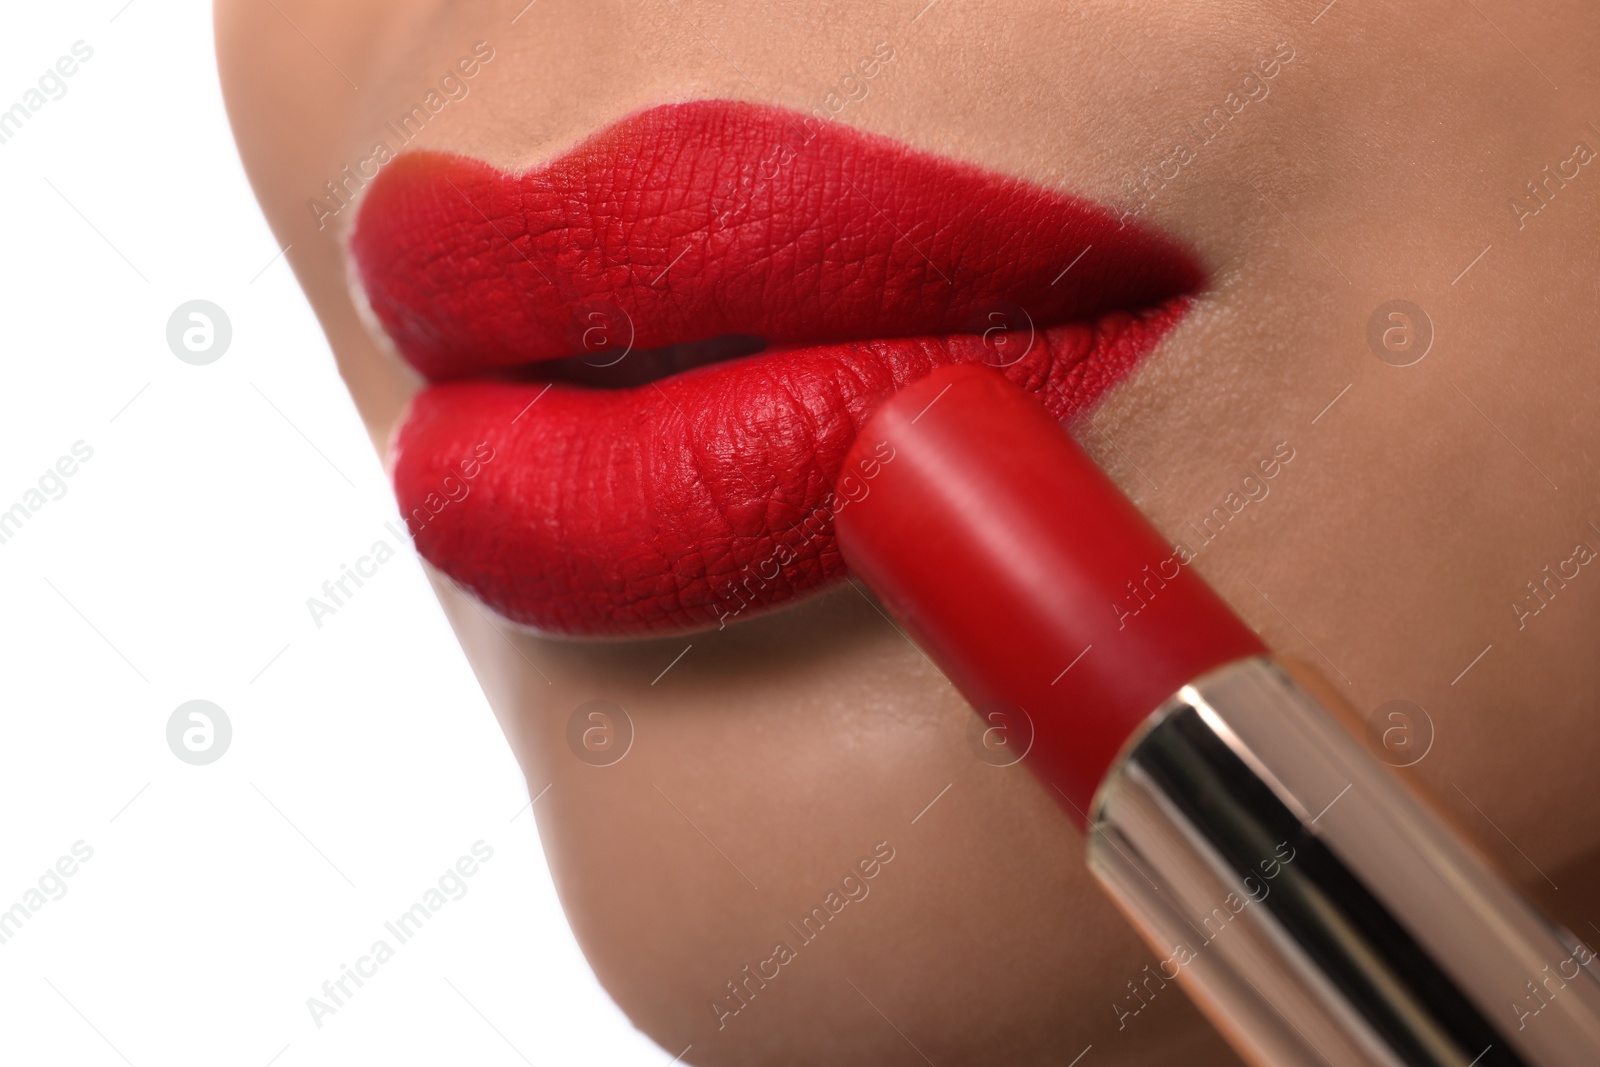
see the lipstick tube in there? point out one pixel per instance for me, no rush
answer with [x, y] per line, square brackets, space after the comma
[1309, 904]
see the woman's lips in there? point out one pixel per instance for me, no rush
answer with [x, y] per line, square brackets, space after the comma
[696, 498]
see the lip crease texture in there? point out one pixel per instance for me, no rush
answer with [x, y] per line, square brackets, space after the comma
[579, 493]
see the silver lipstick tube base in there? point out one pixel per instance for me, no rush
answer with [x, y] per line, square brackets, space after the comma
[1316, 911]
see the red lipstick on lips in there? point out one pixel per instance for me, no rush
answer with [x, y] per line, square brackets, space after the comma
[682, 488]
[1307, 902]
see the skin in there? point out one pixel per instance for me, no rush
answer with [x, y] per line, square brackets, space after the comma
[777, 753]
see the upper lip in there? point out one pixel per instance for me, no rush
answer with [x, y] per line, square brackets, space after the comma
[688, 223]
[631, 236]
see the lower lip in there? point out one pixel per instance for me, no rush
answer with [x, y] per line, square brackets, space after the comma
[1307, 902]
[699, 499]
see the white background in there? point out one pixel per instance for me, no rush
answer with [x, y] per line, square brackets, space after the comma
[176, 566]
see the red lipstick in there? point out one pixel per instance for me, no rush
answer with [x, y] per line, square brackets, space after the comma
[669, 335]
[1026, 599]
[1306, 900]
